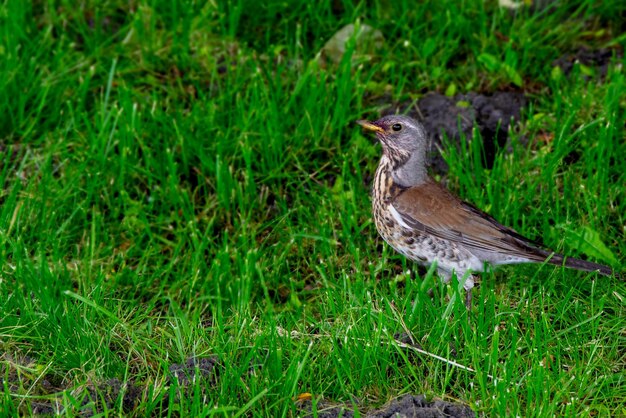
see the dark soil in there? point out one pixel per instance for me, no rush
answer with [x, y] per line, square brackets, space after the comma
[455, 118]
[417, 407]
[597, 59]
[104, 396]
[97, 398]
[193, 369]
[409, 406]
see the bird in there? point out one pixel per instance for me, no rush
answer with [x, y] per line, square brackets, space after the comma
[422, 220]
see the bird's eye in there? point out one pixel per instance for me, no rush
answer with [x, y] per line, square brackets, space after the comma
[396, 127]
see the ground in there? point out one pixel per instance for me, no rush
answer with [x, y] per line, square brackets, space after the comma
[185, 225]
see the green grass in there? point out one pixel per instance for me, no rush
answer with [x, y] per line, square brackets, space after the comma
[187, 180]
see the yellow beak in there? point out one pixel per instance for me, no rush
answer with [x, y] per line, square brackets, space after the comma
[370, 126]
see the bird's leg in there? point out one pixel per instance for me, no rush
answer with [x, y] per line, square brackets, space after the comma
[468, 299]
[468, 285]
[445, 276]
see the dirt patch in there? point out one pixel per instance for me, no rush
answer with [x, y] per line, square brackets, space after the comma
[19, 378]
[195, 368]
[45, 393]
[409, 406]
[456, 117]
[598, 60]
[104, 397]
[418, 407]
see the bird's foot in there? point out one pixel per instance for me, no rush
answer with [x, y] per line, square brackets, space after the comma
[468, 299]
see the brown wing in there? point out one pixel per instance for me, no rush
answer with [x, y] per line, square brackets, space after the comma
[432, 209]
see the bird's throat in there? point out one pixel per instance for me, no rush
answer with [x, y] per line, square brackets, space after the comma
[410, 170]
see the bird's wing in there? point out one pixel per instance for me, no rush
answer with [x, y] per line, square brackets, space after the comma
[432, 209]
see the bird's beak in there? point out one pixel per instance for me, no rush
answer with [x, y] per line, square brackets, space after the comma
[370, 126]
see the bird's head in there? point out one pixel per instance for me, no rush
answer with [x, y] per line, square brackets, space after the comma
[404, 144]
[399, 135]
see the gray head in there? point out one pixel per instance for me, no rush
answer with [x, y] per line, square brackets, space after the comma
[404, 142]
[398, 133]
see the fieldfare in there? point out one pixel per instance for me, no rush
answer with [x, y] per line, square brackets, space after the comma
[423, 221]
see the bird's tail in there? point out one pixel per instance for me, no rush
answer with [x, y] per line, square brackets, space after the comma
[578, 264]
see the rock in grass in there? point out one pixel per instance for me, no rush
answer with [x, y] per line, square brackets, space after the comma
[367, 41]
